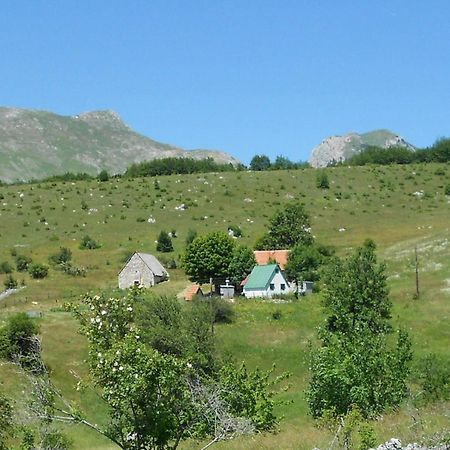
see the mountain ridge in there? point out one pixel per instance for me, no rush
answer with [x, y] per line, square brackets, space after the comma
[339, 148]
[35, 144]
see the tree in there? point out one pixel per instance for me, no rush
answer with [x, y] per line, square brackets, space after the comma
[357, 365]
[287, 228]
[303, 263]
[260, 162]
[164, 243]
[241, 264]
[208, 256]
[156, 400]
[103, 176]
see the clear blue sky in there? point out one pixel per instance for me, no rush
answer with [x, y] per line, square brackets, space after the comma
[248, 76]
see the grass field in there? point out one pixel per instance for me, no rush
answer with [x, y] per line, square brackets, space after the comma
[400, 207]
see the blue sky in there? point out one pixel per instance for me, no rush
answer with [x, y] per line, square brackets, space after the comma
[247, 77]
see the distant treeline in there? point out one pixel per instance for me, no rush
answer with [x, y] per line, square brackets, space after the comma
[438, 152]
[262, 162]
[171, 166]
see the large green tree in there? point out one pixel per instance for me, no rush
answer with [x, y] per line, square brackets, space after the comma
[208, 256]
[241, 264]
[287, 228]
[358, 364]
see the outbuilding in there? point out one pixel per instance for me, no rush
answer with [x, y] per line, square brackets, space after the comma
[143, 270]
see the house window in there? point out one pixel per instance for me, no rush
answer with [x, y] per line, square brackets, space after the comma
[283, 286]
[272, 287]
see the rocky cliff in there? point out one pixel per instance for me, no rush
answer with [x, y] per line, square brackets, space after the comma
[340, 148]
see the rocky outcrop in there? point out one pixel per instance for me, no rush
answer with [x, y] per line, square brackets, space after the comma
[340, 148]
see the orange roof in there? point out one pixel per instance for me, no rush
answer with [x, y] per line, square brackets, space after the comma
[192, 292]
[263, 257]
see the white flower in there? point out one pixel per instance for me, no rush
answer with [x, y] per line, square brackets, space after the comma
[103, 312]
[129, 308]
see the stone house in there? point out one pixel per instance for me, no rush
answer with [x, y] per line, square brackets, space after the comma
[142, 269]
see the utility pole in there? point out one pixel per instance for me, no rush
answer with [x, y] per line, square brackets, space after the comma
[417, 272]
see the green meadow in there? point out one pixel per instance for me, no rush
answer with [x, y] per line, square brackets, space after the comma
[402, 208]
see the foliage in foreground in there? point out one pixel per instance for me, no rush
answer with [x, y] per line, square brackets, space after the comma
[357, 364]
[156, 399]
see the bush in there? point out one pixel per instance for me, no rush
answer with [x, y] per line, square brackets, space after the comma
[87, 243]
[15, 336]
[5, 267]
[23, 262]
[276, 315]
[63, 256]
[322, 181]
[38, 271]
[223, 311]
[10, 282]
[447, 189]
[434, 378]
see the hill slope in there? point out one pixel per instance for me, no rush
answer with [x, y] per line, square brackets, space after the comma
[340, 148]
[37, 144]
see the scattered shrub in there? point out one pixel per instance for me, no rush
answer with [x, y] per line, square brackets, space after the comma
[5, 267]
[164, 243]
[87, 243]
[38, 271]
[23, 263]
[10, 282]
[434, 378]
[276, 315]
[322, 181]
[63, 256]
[223, 311]
[15, 336]
[447, 189]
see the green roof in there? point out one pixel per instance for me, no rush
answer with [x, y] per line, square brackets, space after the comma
[261, 276]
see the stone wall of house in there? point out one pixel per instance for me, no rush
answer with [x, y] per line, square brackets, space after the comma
[136, 272]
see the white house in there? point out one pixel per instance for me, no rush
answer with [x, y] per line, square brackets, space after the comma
[266, 281]
[142, 269]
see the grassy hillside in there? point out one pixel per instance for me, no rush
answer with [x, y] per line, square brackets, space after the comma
[400, 207]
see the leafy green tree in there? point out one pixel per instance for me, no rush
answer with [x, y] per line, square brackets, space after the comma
[260, 162]
[156, 400]
[283, 163]
[164, 243]
[287, 228]
[303, 263]
[357, 364]
[208, 256]
[103, 176]
[241, 264]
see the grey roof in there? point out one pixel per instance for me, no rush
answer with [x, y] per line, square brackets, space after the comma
[154, 265]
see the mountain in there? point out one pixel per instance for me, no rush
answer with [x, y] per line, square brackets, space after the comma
[340, 148]
[38, 144]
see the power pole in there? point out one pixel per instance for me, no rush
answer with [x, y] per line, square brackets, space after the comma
[417, 272]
